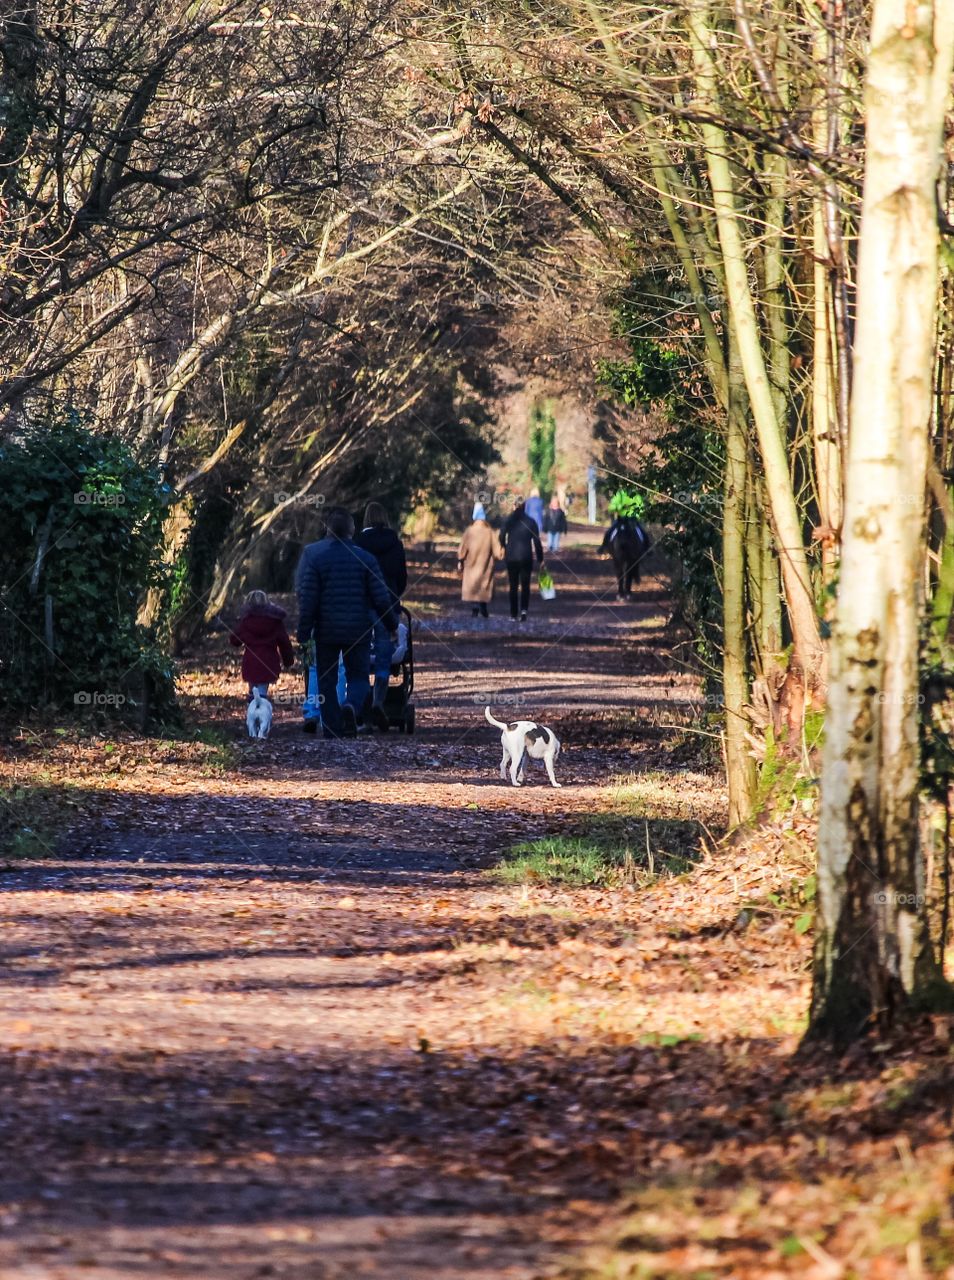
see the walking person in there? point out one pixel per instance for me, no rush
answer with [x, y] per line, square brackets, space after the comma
[534, 507]
[554, 524]
[268, 647]
[339, 586]
[520, 539]
[477, 558]
[378, 538]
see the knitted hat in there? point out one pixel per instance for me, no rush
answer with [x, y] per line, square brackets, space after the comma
[479, 512]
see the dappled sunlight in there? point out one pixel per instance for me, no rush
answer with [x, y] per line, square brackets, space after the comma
[271, 1008]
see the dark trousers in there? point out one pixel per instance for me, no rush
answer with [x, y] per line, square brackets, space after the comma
[518, 571]
[357, 664]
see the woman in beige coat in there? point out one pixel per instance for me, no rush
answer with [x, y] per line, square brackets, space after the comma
[477, 555]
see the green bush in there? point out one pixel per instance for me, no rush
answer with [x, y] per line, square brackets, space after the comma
[541, 447]
[80, 547]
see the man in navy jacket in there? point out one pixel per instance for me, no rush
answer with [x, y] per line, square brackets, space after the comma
[339, 586]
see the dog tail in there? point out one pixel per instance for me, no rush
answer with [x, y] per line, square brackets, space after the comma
[495, 723]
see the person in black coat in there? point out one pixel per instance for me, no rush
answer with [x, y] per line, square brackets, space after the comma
[521, 539]
[339, 585]
[554, 523]
[382, 542]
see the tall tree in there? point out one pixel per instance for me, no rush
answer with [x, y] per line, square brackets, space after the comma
[873, 952]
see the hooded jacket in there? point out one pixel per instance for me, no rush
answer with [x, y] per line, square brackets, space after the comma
[261, 629]
[388, 549]
[339, 585]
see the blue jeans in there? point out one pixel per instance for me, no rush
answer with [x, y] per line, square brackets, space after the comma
[311, 708]
[357, 666]
[553, 542]
[383, 649]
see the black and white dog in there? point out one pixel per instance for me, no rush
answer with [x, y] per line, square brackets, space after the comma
[521, 739]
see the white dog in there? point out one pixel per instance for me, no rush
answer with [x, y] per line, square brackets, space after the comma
[522, 739]
[259, 717]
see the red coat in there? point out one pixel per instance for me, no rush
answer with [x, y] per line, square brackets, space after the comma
[262, 631]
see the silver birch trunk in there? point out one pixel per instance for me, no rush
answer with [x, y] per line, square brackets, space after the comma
[873, 951]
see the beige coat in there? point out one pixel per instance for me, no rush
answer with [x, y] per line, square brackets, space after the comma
[479, 549]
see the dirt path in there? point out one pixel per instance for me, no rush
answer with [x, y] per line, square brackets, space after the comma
[266, 1014]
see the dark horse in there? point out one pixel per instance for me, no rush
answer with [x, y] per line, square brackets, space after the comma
[628, 543]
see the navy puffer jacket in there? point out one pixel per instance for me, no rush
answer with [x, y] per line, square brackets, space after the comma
[388, 549]
[338, 586]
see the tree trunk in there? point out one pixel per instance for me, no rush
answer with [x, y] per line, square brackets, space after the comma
[826, 434]
[873, 954]
[808, 656]
[740, 767]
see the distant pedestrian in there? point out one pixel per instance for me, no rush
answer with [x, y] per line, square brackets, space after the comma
[521, 539]
[261, 629]
[477, 555]
[554, 524]
[382, 542]
[339, 586]
[534, 507]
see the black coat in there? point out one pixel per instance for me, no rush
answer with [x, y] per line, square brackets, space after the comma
[521, 538]
[554, 520]
[339, 586]
[388, 549]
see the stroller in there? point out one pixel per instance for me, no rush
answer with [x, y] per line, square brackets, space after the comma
[398, 706]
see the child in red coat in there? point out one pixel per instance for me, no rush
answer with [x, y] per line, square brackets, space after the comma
[261, 629]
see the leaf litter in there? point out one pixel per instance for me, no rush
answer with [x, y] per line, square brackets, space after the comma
[267, 1014]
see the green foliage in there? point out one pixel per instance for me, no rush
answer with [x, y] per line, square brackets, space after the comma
[80, 545]
[541, 448]
[651, 375]
[682, 476]
[782, 778]
[682, 479]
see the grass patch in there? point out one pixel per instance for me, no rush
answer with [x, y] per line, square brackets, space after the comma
[619, 847]
[600, 860]
[560, 860]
